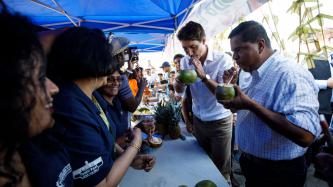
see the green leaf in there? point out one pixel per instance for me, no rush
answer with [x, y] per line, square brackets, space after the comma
[293, 36]
[324, 51]
[305, 15]
[319, 18]
[301, 31]
[329, 48]
[294, 7]
[308, 1]
[275, 19]
[309, 60]
[276, 36]
[312, 20]
[326, 16]
[265, 18]
[282, 43]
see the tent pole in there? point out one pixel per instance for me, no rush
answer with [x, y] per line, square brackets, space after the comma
[150, 48]
[155, 44]
[152, 39]
[106, 22]
[64, 12]
[142, 24]
[153, 27]
[115, 28]
[121, 25]
[187, 11]
[55, 24]
[152, 21]
[51, 8]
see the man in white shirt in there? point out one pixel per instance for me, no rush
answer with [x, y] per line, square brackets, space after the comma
[150, 77]
[323, 73]
[212, 123]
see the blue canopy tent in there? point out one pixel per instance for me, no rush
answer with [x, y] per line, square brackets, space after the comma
[146, 23]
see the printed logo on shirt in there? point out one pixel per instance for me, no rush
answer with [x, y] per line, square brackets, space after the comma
[88, 169]
[63, 174]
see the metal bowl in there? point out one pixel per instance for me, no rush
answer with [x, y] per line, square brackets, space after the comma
[144, 117]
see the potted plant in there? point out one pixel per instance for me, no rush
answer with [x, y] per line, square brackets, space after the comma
[167, 117]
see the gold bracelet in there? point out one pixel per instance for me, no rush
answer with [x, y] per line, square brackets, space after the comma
[135, 146]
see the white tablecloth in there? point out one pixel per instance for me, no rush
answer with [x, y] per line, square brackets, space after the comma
[177, 162]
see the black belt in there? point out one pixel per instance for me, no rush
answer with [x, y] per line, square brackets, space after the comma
[263, 160]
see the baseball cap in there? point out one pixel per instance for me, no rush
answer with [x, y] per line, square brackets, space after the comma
[165, 64]
[118, 45]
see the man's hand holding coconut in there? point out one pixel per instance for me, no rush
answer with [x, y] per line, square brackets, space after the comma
[230, 95]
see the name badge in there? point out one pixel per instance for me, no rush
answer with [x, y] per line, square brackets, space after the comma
[88, 169]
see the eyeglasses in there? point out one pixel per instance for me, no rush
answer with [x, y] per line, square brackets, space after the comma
[111, 79]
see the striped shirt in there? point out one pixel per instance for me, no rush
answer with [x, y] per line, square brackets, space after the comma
[285, 87]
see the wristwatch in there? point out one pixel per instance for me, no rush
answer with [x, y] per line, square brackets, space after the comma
[206, 78]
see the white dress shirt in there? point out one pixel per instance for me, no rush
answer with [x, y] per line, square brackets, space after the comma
[322, 84]
[205, 105]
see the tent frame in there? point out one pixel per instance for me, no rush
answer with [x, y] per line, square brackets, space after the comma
[118, 25]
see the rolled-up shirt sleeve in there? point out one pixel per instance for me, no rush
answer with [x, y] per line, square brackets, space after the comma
[322, 84]
[298, 102]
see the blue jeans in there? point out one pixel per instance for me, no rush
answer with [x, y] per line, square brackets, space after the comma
[263, 173]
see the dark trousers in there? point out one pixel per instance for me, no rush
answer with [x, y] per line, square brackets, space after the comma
[268, 173]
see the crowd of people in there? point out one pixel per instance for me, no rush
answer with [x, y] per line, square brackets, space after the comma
[68, 101]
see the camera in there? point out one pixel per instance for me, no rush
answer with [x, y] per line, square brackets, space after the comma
[133, 54]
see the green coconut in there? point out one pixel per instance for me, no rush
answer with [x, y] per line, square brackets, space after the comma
[206, 183]
[225, 92]
[187, 76]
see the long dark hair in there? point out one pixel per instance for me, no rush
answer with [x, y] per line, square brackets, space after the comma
[21, 53]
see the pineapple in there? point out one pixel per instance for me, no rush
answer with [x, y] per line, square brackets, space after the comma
[167, 116]
[160, 121]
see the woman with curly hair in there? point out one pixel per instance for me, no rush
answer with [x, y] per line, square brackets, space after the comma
[26, 106]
